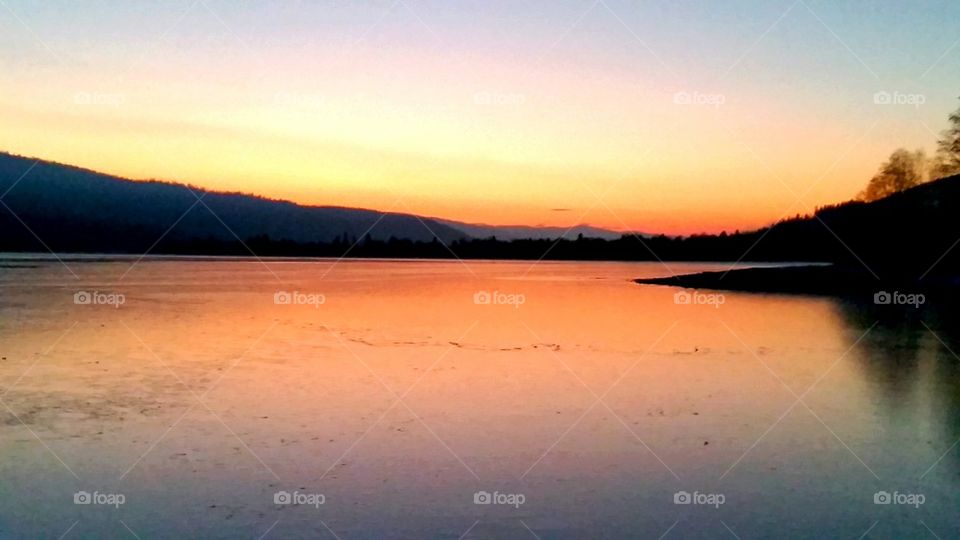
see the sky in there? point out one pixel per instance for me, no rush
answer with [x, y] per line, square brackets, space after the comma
[656, 116]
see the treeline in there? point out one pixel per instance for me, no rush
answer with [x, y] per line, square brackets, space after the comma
[905, 169]
[779, 244]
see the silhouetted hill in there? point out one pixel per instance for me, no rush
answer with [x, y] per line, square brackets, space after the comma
[906, 233]
[73, 209]
[904, 242]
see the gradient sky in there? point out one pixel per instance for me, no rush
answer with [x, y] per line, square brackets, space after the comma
[552, 112]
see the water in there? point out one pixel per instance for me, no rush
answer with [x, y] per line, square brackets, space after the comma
[589, 399]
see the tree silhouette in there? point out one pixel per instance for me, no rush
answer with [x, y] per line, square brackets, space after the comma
[947, 160]
[903, 170]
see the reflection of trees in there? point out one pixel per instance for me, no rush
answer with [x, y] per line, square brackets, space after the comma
[946, 375]
[905, 361]
[889, 353]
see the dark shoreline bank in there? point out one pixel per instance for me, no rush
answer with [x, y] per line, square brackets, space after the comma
[820, 280]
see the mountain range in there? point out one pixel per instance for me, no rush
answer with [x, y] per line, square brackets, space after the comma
[75, 209]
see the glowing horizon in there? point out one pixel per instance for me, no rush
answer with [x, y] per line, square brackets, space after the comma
[672, 118]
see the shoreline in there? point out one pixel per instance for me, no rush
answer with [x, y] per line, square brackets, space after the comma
[819, 280]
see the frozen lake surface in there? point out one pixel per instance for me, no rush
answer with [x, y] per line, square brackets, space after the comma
[193, 398]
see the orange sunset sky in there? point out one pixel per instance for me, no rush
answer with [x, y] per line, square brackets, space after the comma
[675, 117]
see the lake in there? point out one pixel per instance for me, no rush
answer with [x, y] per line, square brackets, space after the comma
[238, 398]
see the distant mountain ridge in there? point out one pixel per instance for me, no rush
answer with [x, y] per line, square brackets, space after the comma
[75, 209]
[524, 232]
